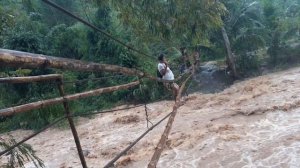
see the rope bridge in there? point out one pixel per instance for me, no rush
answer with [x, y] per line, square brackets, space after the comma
[29, 60]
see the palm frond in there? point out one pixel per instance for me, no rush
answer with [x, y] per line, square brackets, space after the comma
[247, 43]
[20, 155]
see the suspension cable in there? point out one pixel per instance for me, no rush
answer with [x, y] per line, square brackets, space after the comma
[105, 111]
[95, 27]
[93, 79]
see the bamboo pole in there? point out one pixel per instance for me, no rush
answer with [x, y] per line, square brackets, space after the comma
[29, 60]
[49, 102]
[29, 79]
[164, 137]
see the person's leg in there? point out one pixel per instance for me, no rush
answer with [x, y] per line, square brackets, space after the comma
[176, 92]
[175, 89]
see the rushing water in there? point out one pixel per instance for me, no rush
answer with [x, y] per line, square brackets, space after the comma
[272, 142]
[209, 131]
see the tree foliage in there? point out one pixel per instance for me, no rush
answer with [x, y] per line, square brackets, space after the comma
[253, 27]
[150, 26]
[171, 22]
[20, 155]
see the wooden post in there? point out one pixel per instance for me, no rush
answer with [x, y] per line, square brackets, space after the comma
[72, 125]
[44, 103]
[164, 137]
[29, 79]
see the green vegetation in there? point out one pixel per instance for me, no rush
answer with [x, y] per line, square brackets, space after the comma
[20, 155]
[246, 34]
[259, 32]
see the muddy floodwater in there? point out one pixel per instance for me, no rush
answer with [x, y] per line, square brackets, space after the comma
[253, 123]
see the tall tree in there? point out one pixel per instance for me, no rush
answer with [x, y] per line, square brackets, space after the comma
[242, 29]
[282, 20]
[169, 23]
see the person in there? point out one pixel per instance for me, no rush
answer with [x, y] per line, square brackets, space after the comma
[183, 60]
[167, 74]
[196, 57]
[186, 64]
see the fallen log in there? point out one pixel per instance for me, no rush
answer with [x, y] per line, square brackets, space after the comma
[44, 103]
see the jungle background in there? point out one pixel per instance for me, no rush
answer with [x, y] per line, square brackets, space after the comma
[263, 35]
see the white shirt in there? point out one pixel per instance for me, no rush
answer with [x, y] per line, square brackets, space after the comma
[169, 74]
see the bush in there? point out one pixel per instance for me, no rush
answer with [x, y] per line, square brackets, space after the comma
[284, 55]
[24, 41]
[248, 63]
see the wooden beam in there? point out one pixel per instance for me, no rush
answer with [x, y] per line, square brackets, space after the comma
[29, 60]
[29, 79]
[44, 103]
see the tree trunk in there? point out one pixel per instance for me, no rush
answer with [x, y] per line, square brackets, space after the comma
[229, 59]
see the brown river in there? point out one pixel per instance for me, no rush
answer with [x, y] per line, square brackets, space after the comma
[253, 123]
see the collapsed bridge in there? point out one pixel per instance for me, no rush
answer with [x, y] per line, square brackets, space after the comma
[29, 60]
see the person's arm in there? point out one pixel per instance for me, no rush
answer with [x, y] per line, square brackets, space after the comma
[163, 70]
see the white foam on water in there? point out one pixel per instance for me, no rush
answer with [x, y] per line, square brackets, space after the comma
[209, 131]
[269, 142]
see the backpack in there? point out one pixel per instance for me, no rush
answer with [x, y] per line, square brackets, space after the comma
[158, 74]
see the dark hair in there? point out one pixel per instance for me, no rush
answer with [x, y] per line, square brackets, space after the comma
[161, 57]
[182, 48]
